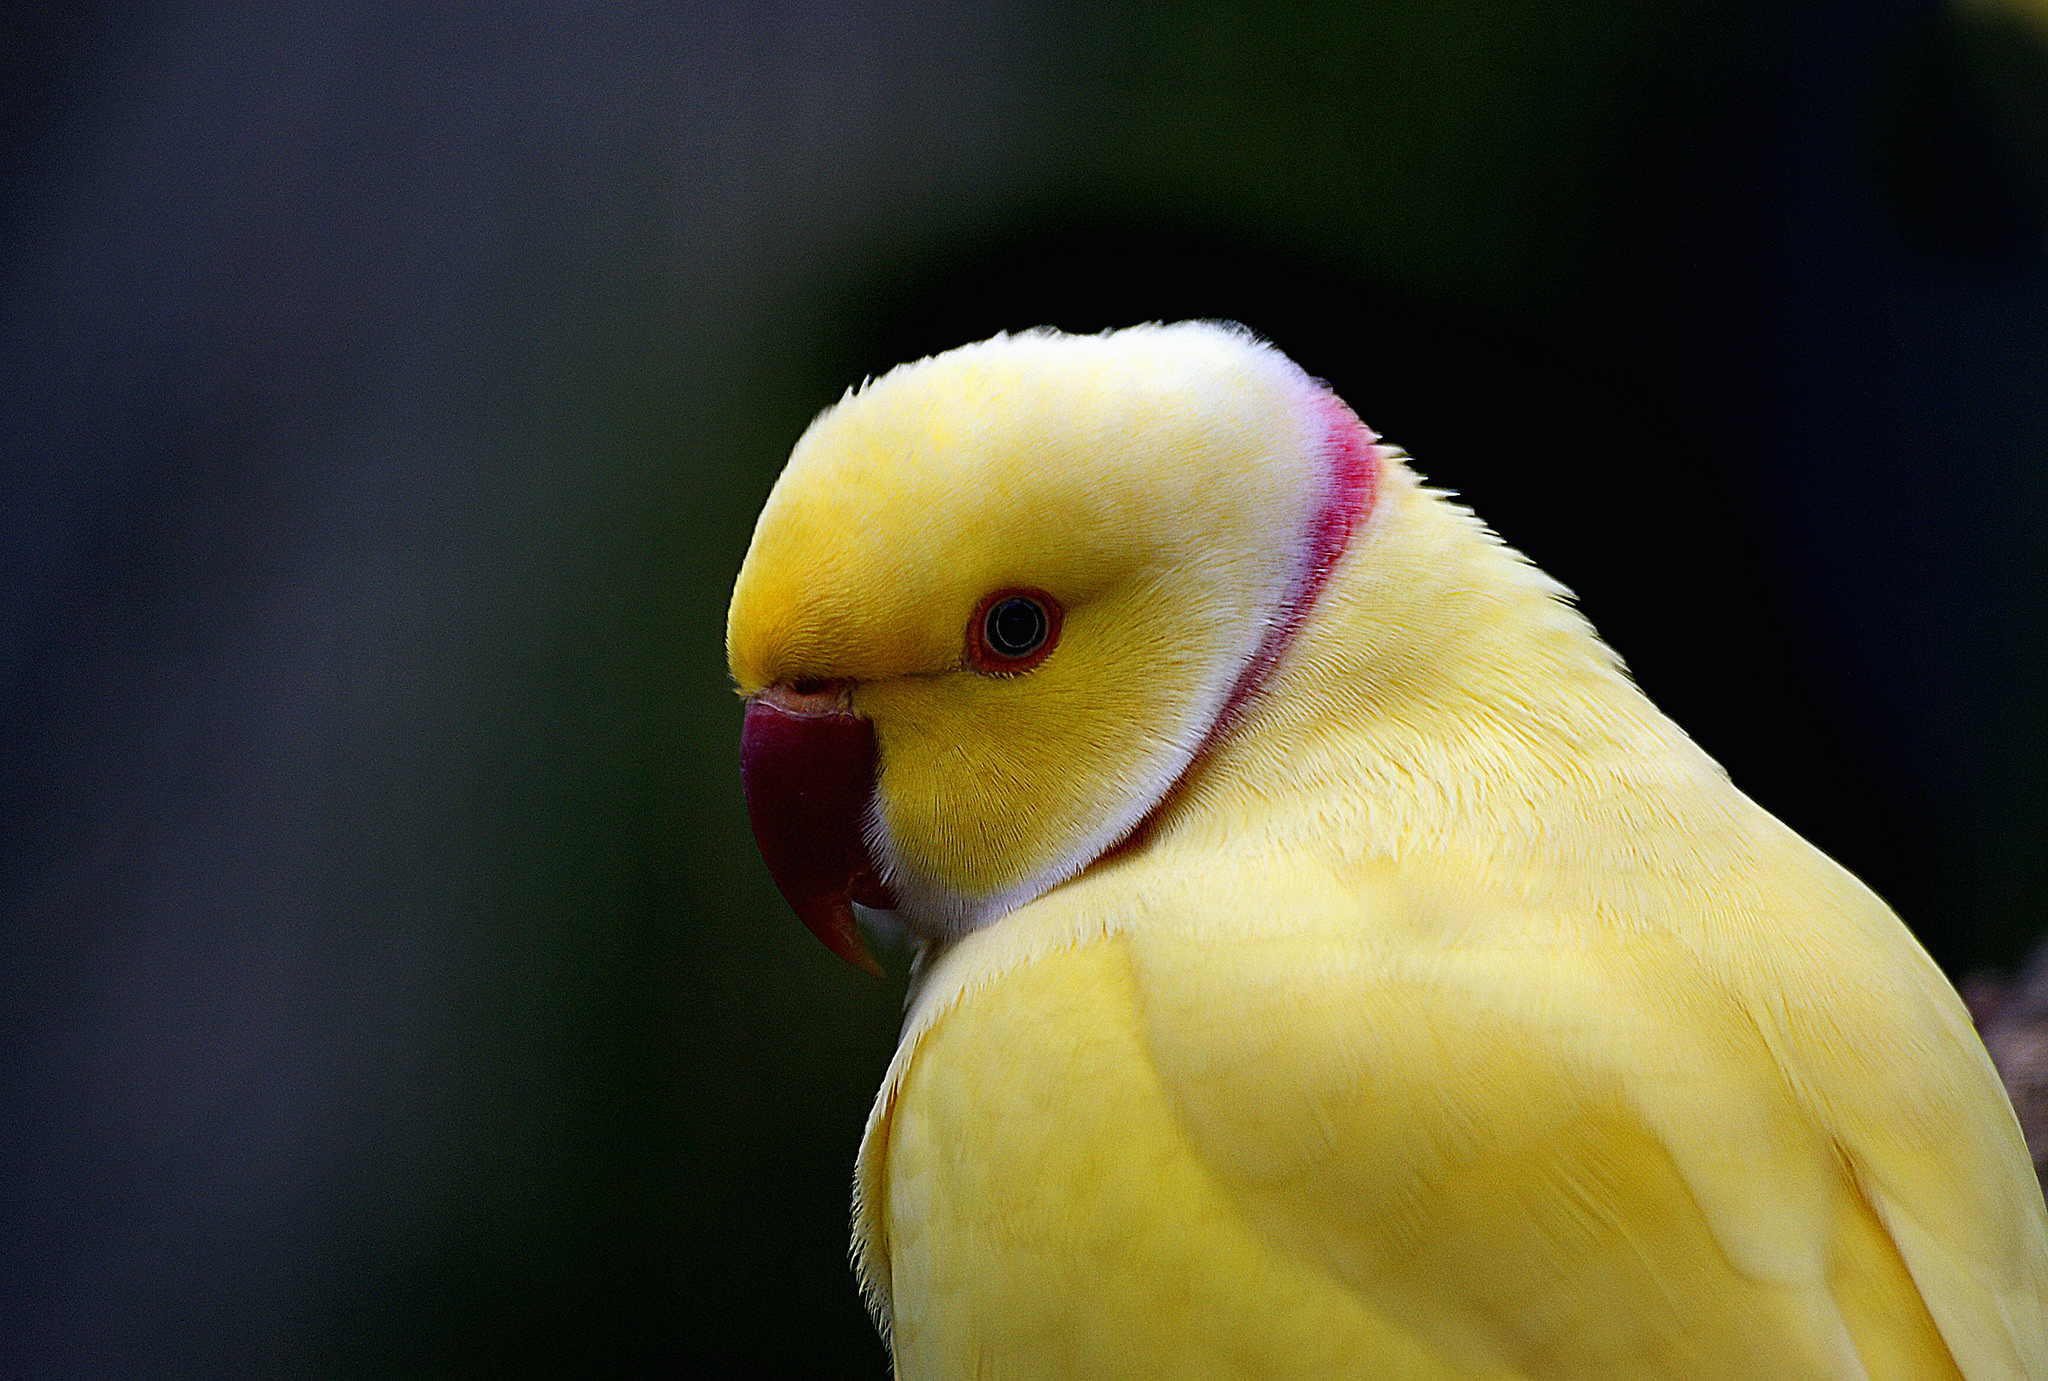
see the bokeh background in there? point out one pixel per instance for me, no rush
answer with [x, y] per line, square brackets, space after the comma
[386, 390]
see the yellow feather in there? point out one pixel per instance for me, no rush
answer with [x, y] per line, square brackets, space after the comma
[1456, 1018]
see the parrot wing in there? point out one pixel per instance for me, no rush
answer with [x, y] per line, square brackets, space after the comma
[1738, 1139]
[1880, 1049]
[1525, 1135]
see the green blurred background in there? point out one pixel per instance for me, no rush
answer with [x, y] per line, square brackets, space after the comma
[391, 987]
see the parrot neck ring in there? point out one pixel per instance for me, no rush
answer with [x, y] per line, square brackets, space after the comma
[1012, 631]
[1352, 460]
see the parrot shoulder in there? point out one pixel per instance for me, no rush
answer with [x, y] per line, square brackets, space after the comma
[1029, 1204]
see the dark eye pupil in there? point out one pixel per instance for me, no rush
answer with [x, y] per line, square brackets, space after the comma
[1015, 627]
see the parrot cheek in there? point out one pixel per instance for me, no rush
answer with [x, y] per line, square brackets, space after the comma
[807, 763]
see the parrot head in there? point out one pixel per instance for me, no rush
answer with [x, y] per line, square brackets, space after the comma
[1000, 601]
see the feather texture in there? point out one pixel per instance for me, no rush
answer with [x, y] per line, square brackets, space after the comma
[1454, 1016]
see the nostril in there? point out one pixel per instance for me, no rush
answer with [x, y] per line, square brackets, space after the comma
[810, 696]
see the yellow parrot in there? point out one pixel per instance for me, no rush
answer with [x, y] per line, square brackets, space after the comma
[1329, 963]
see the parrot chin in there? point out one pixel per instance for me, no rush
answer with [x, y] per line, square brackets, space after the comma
[807, 763]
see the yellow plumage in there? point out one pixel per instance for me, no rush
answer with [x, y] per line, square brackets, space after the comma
[1452, 1016]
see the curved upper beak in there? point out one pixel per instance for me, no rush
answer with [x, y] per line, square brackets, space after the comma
[807, 762]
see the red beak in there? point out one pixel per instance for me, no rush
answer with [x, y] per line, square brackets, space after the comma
[807, 762]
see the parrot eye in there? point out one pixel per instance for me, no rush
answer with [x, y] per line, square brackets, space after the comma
[1012, 632]
[1015, 627]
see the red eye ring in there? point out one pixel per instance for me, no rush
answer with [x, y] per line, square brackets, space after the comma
[1012, 631]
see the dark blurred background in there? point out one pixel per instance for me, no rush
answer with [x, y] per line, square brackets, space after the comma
[387, 389]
